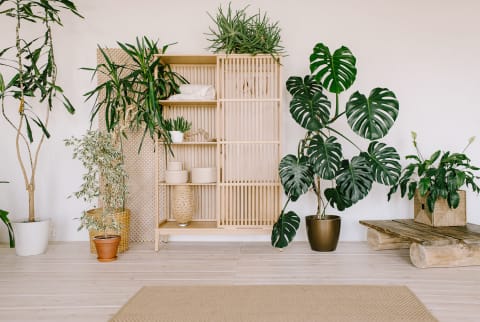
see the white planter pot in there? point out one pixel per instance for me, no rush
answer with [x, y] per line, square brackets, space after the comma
[174, 165]
[31, 238]
[176, 177]
[204, 175]
[176, 136]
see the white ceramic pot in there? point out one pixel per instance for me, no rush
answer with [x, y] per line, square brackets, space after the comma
[176, 177]
[174, 166]
[204, 175]
[31, 238]
[176, 136]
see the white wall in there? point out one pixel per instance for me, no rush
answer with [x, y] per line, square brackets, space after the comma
[427, 52]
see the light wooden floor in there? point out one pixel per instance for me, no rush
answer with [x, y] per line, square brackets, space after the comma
[68, 284]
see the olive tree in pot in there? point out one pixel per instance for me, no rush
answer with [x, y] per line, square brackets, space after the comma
[104, 180]
[29, 97]
[320, 156]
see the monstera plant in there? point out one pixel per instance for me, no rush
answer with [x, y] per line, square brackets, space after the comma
[320, 156]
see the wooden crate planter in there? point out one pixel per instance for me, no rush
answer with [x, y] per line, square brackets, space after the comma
[442, 214]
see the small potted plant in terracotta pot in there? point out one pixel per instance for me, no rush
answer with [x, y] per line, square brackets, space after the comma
[106, 180]
[176, 128]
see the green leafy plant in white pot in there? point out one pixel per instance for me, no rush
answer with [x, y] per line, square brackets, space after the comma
[28, 98]
[104, 181]
[320, 164]
[176, 128]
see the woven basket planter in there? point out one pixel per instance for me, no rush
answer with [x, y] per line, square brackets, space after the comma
[442, 214]
[123, 218]
[182, 204]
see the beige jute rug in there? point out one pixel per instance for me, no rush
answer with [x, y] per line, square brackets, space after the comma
[274, 303]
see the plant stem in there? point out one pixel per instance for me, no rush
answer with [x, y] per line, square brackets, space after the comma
[343, 136]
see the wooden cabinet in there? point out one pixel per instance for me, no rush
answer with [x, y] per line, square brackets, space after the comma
[237, 133]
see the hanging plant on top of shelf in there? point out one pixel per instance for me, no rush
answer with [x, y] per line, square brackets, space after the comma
[237, 32]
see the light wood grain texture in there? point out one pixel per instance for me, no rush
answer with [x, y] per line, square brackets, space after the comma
[442, 214]
[444, 256]
[380, 241]
[68, 284]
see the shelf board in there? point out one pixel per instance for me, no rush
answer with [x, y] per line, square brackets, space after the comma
[191, 143]
[188, 59]
[163, 183]
[209, 227]
[209, 103]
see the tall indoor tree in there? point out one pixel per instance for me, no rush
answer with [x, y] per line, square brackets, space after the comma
[31, 91]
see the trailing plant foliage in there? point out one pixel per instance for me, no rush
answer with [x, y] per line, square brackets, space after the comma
[237, 32]
[178, 124]
[320, 154]
[28, 97]
[130, 95]
[105, 177]
[440, 176]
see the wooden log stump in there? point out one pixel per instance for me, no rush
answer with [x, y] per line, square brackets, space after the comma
[380, 241]
[454, 255]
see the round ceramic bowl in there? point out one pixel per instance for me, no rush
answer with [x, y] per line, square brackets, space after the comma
[204, 175]
[174, 166]
[176, 177]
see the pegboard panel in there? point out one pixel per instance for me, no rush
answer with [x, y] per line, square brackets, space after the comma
[140, 169]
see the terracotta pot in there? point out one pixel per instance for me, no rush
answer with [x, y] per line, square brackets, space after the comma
[107, 247]
[323, 234]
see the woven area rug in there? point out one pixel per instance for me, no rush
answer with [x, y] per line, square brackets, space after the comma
[274, 303]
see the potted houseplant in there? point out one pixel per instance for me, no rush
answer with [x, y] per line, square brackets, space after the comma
[237, 32]
[320, 156]
[29, 97]
[105, 179]
[4, 218]
[176, 128]
[434, 183]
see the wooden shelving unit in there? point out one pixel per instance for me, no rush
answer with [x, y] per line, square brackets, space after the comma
[243, 126]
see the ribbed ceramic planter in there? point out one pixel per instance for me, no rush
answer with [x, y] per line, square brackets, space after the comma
[204, 175]
[31, 238]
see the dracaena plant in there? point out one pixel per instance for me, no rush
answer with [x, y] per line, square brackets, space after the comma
[32, 92]
[440, 176]
[320, 160]
[131, 93]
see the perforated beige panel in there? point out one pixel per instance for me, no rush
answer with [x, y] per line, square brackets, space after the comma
[140, 169]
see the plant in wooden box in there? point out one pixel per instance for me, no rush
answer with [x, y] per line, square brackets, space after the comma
[176, 128]
[29, 97]
[105, 179]
[435, 184]
[4, 218]
[319, 154]
[240, 33]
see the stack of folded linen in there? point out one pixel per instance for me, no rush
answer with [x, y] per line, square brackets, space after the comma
[194, 92]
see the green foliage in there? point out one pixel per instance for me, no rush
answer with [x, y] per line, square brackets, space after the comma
[285, 229]
[32, 92]
[320, 155]
[131, 93]
[237, 32]
[177, 124]
[105, 177]
[6, 221]
[440, 176]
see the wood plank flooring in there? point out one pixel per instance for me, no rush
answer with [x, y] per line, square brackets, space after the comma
[68, 284]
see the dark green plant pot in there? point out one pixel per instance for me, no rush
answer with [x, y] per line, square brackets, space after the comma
[323, 234]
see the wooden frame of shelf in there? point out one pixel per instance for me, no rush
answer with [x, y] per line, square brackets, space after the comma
[245, 120]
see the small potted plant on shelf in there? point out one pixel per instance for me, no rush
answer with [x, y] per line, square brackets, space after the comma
[176, 128]
[435, 184]
[320, 156]
[105, 179]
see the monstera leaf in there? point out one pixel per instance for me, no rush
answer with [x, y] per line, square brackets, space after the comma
[295, 175]
[336, 199]
[285, 229]
[384, 163]
[325, 155]
[335, 72]
[306, 86]
[354, 179]
[310, 111]
[372, 117]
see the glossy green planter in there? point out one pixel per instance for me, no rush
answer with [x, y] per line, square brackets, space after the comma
[323, 234]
